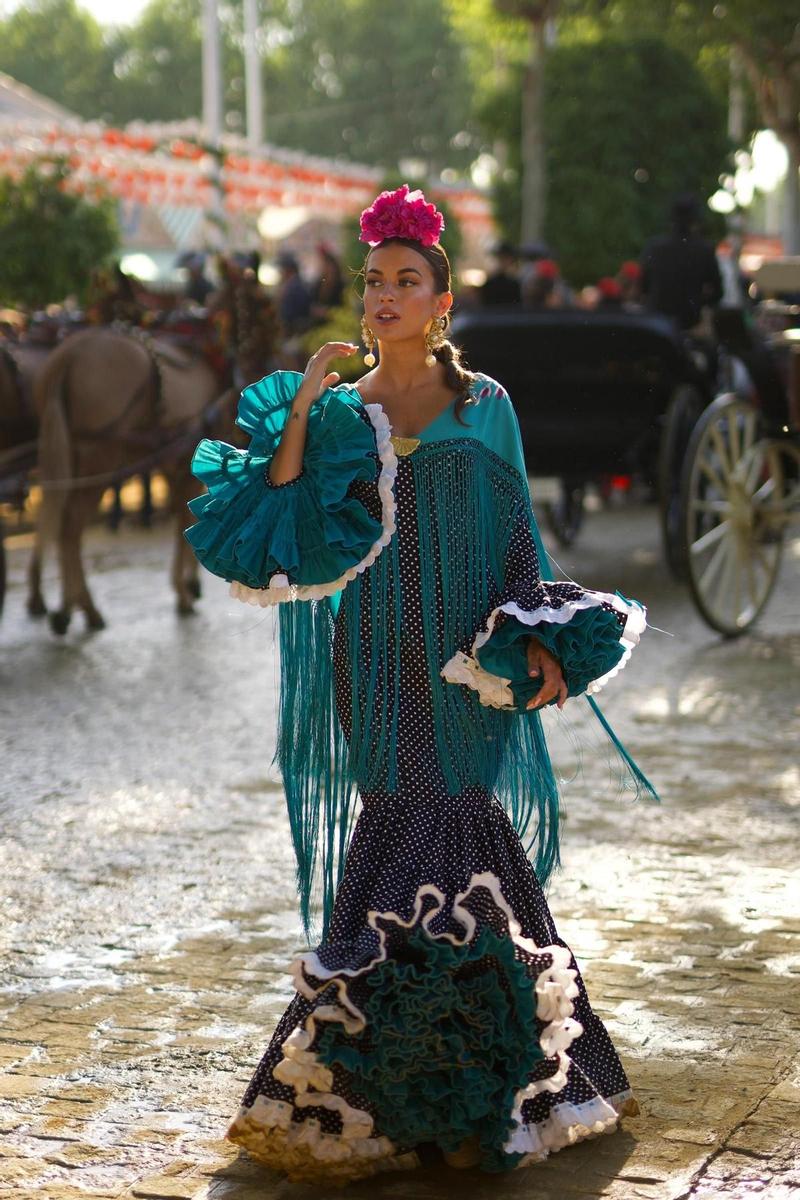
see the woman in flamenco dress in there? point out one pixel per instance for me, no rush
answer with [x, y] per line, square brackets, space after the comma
[440, 1016]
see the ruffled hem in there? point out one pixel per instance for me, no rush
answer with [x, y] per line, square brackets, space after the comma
[307, 1154]
[567, 1124]
[277, 1133]
[496, 691]
[281, 590]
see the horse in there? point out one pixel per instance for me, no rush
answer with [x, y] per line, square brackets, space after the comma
[114, 403]
[19, 364]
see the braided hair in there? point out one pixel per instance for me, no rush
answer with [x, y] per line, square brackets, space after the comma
[457, 376]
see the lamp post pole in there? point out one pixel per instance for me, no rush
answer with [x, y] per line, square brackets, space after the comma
[215, 226]
[252, 75]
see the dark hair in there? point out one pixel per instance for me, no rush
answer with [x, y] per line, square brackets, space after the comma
[457, 376]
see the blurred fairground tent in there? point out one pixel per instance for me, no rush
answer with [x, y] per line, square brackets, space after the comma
[176, 192]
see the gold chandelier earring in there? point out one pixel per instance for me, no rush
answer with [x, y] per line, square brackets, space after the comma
[433, 339]
[368, 338]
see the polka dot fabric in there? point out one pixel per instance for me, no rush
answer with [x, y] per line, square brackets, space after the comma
[297, 1113]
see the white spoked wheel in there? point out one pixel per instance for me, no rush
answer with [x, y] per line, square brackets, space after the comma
[735, 510]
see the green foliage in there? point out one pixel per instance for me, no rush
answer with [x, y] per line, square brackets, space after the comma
[764, 33]
[630, 123]
[358, 79]
[57, 48]
[52, 239]
[158, 64]
[342, 325]
[370, 81]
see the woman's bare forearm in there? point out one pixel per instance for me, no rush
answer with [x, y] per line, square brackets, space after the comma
[287, 461]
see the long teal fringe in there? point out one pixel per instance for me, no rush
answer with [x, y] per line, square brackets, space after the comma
[312, 754]
[638, 781]
[462, 569]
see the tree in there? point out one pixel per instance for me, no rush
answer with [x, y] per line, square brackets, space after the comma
[57, 48]
[369, 81]
[52, 239]
[537, 14]
[766, 37]
[611, 175]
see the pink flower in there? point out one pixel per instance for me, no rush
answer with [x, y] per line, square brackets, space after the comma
[402, 214]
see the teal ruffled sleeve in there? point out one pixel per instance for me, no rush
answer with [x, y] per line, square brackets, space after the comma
[307, 538]
[592, 635]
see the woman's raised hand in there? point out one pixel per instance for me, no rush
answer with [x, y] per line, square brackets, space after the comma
[316, 377]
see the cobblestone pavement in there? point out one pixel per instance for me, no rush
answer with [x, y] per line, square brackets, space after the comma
[148, 904]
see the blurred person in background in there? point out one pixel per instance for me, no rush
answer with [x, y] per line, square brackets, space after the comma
[198, 287]
[245, 318]
[327, 289]
[540, 265]
[541, 285]
[113, 296]
[629, 278]
[680, 273]
[294, 310]
[502, 285]
[609, 295]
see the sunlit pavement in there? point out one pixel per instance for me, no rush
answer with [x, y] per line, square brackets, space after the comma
[149, 913]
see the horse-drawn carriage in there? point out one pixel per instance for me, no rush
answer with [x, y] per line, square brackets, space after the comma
[711, 426]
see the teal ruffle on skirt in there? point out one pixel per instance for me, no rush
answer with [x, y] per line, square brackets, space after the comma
[248, 529]
[588, 647]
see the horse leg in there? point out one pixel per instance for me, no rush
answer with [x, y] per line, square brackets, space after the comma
[87, 505]
[36, 604]
[147, 500]
[115, 512]
[75, 590]
[184, 564]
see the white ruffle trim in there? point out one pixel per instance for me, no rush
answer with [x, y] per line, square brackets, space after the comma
[565, 1124]
[494, 691]
[280, 589]
[304, 1150]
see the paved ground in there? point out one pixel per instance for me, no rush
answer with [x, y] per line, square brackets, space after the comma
[148, 906]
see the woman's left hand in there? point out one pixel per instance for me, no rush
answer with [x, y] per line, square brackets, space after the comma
[542, 663]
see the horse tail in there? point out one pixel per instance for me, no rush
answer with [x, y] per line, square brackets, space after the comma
[56, 458]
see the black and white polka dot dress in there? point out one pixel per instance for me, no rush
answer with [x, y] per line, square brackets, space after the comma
[442, 1014]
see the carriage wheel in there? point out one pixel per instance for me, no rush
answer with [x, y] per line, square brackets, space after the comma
[564, 516]
[680, 419]
[735, 512]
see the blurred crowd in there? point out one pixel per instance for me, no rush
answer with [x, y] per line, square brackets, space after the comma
[250, 327]
[677, 274]
[257, 328]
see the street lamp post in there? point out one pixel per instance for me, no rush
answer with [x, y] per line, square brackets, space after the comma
[214, 234]
[252, 75]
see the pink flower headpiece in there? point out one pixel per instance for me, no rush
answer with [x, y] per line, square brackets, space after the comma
[401, 214]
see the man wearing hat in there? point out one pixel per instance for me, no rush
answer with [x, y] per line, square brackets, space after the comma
[680, 274]
[502, 286]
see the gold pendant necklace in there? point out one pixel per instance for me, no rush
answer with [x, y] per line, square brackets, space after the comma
[404, 446]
